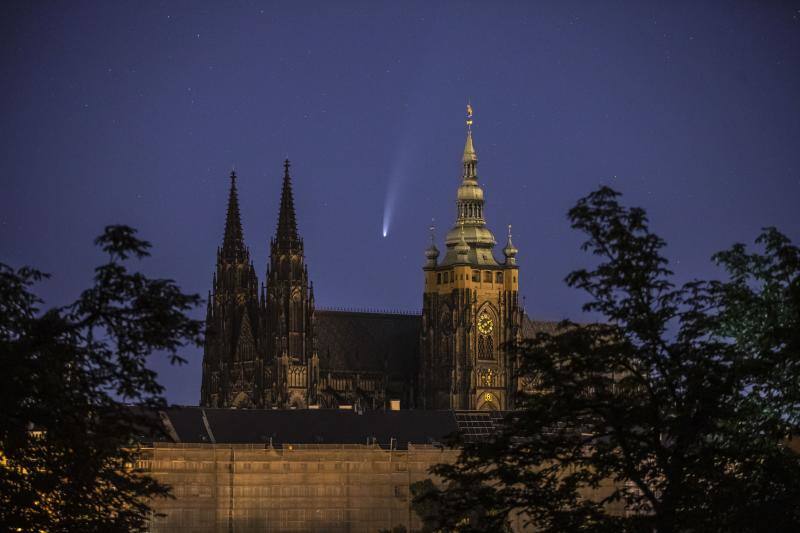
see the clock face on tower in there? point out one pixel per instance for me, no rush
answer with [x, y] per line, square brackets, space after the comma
[485, 324]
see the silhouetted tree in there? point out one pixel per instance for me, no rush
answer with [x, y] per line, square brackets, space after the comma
[673, 414]
[67, 439]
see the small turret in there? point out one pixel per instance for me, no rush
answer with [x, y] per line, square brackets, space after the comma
[432, 252]
[510, 250]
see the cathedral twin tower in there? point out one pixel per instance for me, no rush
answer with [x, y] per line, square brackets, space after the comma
[268, 347]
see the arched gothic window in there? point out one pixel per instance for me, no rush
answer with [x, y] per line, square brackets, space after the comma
[294, 312]
[485, 347]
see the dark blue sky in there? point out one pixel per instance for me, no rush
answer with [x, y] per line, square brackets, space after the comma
[134, 113]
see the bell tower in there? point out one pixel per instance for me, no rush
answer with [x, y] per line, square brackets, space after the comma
[470, 307]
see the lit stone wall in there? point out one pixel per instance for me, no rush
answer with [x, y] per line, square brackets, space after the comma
[242, 488]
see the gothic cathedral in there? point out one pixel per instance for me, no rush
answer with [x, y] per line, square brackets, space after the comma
[269, 347]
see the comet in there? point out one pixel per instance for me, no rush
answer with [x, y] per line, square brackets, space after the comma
[387, 215]
[400, 172]
[391, 199]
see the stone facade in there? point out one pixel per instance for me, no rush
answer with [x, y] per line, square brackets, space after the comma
[300, 487]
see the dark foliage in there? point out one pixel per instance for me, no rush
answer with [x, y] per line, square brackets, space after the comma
[675, 413]
[67, 439]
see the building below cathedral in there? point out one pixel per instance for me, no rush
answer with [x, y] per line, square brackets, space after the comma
[298, 470]
[333, 470]
[267, 346]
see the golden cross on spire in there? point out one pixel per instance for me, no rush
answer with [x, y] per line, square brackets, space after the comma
[469, 116]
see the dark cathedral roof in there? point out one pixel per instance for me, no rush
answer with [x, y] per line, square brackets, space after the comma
[380, 342]
[368, 342]
[307, 426]
[324, 426]
[530, 328]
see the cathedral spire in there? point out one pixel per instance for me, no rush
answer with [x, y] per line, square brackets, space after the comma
[289, 298]
[233, 248]
[470, 157]
[287, 222]
[470, 216]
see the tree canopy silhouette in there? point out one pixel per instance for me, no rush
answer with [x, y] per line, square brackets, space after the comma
[674, 413]
[68, 441]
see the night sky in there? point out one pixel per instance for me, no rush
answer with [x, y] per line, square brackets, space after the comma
[135, 112]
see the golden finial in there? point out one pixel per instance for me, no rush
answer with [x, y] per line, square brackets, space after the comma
[469, 116]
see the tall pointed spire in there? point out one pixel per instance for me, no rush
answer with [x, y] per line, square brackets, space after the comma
[469, 150]
[470, 226]
[233, 298]
[470, 157]
[287, 222]
[233, 248]
[290, 323]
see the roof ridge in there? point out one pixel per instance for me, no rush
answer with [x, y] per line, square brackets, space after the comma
[369, 310]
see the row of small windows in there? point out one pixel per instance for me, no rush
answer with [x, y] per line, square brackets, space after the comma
[384, 467]
[450, 277]
[470, 210]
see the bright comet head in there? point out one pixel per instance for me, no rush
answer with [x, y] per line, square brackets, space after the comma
[387, 215]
